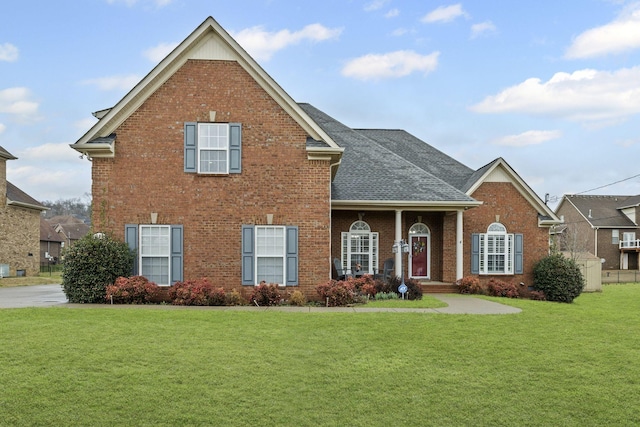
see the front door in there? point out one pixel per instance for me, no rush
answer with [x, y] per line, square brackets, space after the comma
[419, 257]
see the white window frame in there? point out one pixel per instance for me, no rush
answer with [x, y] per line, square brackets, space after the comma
[629, 239]
[497, 247]
[157, 247]
[263, 252]
[213, 138]
[359, 234]
[615, 237]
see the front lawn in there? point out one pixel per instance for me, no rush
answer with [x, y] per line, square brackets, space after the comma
[40, 279]
[553, 364]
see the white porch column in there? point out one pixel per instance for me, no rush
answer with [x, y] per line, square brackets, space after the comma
[459, 245]
[398, 237]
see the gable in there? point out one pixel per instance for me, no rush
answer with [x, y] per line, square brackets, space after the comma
[208, 42]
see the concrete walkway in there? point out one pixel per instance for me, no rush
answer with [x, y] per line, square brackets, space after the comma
[52, 295]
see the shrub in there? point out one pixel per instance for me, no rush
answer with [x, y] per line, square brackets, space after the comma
[537, 296]
[369, 289]
[337, 293]
[196, 292]
[234, 298]
[297, 298]
[132, 290]
[499, 288]
[558, 277]
[92, 264]
[470, 285]
[414, 289]
[265, 295]
[366, 281]
[386, 295]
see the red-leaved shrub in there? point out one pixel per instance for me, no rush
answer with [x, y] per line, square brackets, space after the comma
[470, 285]
[337, 293]
[499, 288]
[265, 295]
[196, 292]
[132, 290]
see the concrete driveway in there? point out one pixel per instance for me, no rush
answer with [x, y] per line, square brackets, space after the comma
[32, 296]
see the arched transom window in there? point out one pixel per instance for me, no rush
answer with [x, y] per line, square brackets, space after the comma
[360, 247]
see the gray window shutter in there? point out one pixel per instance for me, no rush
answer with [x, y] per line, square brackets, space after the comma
[518, 251]
[475, 253]
[176, 254]
[292, 256]
[248, 254]
[131, 238]
[190, 147]
[235, 148]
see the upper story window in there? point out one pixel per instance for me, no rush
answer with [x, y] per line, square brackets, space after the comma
[615, 237]
[212, 148]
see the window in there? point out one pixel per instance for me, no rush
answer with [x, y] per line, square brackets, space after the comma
[360, 246]
[159, 251]
[154, 253]
[629, 239]
[212, 148]
[269, 254]
[615, 237]
[496, 251]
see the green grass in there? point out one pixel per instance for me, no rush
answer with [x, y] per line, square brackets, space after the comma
[40, 279]
[551, 364]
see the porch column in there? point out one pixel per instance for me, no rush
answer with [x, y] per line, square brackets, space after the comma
[398, 237]
[459, 245]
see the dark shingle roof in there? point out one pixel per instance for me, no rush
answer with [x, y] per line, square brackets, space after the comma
[375, 167]
[602, 211]
[15, 194]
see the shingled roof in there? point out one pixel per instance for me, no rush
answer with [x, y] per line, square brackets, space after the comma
[602, 211]
[390, 166]
[16, 196]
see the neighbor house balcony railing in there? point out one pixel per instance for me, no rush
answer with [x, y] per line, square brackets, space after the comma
[629, 244]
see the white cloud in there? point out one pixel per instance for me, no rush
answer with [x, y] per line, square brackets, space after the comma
[82, 126]
[114, 82]
[159, 52]
[399, 32]
[530, 137]
[444, 14]
[16, 101]
[262, 44]
[620, 35]
[8, 52]
[584, 95]
[482, 28]
[375, 5]
[2, 128]
[392, 13]
[49, 152]
[390, 65]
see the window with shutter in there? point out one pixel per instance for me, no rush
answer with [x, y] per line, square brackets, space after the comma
[212, 148]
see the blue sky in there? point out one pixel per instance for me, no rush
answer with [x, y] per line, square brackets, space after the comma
[553, 87]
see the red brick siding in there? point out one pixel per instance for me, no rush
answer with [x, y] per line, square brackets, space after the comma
[147, 175]
[517, 215]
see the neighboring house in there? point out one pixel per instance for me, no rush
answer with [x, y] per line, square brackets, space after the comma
[51, 244]
[606, 226]
[207, 168]
[19, 226]
[69, 228]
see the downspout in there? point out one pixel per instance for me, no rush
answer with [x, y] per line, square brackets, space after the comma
[595, 238]
[459, 245]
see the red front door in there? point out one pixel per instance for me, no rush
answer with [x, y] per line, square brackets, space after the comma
[419, 256]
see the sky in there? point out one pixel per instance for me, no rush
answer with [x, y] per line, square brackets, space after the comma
[553, 87]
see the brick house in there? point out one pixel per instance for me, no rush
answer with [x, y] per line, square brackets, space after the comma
[19, 226]
[208, 168]
[51, 244]
[606, 226]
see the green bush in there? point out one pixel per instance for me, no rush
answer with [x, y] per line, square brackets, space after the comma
[558, 278]
[92, 264]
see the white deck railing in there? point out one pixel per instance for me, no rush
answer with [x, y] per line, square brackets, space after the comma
[629, 244]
